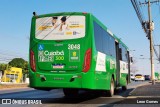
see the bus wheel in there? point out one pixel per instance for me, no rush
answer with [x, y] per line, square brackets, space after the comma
[70, 92]
[124, 88]
[110, 93]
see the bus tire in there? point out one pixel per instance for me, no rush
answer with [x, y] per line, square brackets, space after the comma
[70, 92]
[110, 93]
[124, 88]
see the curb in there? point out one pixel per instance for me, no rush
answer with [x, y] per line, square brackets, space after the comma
[143, 97]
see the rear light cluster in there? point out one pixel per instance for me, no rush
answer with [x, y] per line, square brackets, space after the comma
[87, 60]
[32, 61]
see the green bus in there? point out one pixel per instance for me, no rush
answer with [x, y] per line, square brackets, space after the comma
[74, 50]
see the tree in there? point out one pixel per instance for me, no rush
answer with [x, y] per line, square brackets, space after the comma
[3, 67]
[25, 68]
[20, 63]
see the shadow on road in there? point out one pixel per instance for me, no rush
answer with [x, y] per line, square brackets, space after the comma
[92, 97]
[57, 96]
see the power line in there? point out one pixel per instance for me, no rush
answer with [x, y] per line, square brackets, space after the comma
[140, 15]
[157, 53]
[148, 27]
[138, 12]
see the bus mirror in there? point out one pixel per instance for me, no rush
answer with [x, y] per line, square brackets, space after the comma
[120, 54]
[34, 14]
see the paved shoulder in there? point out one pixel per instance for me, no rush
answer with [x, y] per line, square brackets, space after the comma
[147, 90]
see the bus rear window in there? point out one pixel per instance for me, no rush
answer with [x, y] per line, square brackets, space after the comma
[60, 27]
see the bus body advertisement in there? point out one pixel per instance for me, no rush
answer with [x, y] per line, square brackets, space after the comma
[76, 51]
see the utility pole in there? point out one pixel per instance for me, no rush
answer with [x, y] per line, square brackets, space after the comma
[151, 43]
[149, 33]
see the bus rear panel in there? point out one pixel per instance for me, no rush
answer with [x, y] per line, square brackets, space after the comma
[61, 51]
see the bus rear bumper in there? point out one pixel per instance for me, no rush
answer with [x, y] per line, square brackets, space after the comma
[55, 80]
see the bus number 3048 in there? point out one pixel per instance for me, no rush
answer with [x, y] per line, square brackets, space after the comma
[73, 46]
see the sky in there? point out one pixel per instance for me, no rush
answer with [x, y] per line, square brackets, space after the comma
[118, 15]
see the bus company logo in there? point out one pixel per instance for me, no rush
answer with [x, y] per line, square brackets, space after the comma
[48, 56]
[53, 53]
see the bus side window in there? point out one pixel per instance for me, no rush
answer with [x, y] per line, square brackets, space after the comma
[98, 37]
[112, 47]
[124, 55]
[105, 41]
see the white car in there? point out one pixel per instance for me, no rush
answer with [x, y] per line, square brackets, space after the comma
[139, 77]
[132, 77]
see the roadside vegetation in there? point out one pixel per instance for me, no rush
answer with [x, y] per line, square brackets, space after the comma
[16, 62]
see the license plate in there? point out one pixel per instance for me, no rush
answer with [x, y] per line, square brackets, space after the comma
[58, 66]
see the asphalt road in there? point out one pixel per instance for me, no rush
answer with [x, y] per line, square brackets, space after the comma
[56, 97]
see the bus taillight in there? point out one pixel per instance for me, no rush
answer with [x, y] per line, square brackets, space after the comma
[87, 60]
[32, 61]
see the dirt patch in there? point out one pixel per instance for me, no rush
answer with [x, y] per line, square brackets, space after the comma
[7, 86]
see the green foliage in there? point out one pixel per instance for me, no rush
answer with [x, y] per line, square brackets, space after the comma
[20, 63]
[3, 67]
[17, 62]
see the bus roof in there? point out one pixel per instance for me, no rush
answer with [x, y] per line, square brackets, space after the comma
[61, 13]
[84, 13]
